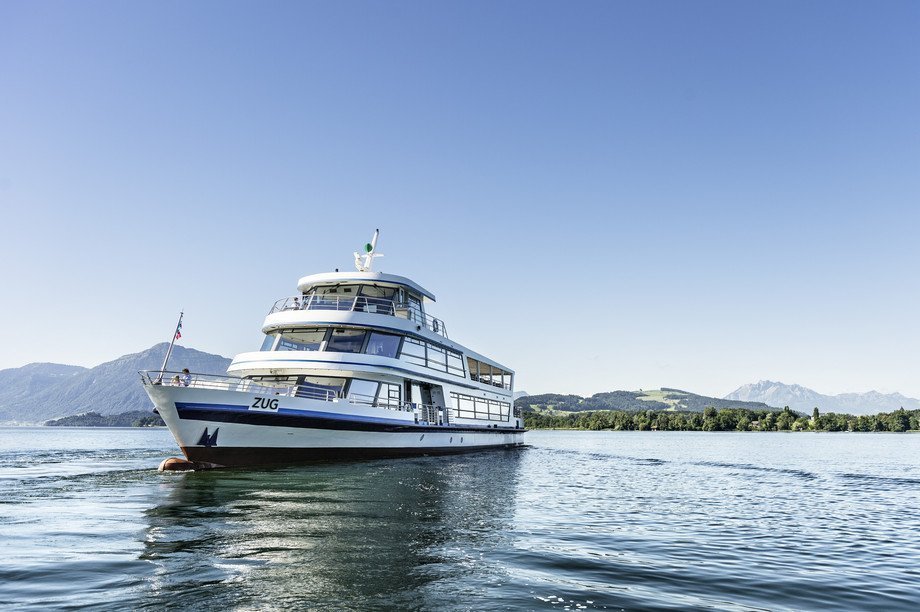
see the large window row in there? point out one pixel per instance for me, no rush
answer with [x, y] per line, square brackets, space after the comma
[432, 356]
[337, 340]
[363, 298]
[489, 374]
[345, 340]
[469, 407]
[367, 298]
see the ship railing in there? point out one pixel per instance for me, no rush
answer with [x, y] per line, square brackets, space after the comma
[429, 414]
[233, 383]
[371, 400]
[361, 303]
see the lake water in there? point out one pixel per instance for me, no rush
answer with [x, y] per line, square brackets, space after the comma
[577, 520]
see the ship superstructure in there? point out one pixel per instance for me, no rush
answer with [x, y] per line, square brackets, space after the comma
[353, 365]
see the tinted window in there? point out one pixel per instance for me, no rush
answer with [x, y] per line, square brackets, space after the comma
[346, 340]
[384, 345]
[377, 292]
[320, 387]
[301, 340]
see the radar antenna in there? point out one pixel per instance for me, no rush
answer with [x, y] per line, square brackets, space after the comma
[364, 262]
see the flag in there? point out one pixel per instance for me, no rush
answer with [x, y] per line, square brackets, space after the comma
[178, 334]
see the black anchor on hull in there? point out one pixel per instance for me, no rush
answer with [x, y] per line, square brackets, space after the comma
[208, 441]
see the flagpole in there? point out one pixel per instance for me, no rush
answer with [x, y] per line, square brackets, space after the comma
[169, 350]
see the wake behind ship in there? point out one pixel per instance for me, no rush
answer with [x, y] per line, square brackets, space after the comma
[352, 366]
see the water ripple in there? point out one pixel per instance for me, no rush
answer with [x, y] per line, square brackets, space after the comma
[578, 521]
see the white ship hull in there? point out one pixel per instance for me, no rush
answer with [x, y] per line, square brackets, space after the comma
[234, 428]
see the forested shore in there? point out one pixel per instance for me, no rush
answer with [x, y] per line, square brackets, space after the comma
[727, 419]
[137, 418]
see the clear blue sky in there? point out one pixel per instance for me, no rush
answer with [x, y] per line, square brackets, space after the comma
[603, 195]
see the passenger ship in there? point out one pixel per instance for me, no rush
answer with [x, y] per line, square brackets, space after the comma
[352, 366]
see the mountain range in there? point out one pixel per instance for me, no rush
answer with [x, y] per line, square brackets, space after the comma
[803, 399]
[38, 392]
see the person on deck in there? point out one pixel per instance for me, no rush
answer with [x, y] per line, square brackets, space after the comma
[186, 377]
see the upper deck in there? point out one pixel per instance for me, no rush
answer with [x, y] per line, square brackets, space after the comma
[364, 291]
[361, 303]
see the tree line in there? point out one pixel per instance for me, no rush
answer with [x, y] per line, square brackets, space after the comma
[136, 418]
[726, 419]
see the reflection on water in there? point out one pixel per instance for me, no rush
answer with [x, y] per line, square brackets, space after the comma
[382, 532]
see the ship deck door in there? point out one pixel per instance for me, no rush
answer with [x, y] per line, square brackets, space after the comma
[436, 392]
[429, 400]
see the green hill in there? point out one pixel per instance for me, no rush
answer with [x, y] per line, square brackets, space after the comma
[664, 399]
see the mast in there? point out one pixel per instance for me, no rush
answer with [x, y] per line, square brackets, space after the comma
[364, 262]
[176, 335]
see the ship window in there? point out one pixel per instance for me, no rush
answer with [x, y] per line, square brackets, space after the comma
[378, 300]
[362, 391]
[346, 340]
[467, 407]
[474, 368]
[455, 363]
[377, 292]
[437, 359]
[320, 387]
[336, 297]
[489, 374]
[415, 309]
[301, 340]
[389, 395]
[338, 290]
[413, 351]
[269, 342]
[432, 356]
[383, 345]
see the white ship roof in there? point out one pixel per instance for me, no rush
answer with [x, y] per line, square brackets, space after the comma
[342, 278]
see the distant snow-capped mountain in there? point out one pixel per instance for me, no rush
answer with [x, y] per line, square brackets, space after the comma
[804, 399]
